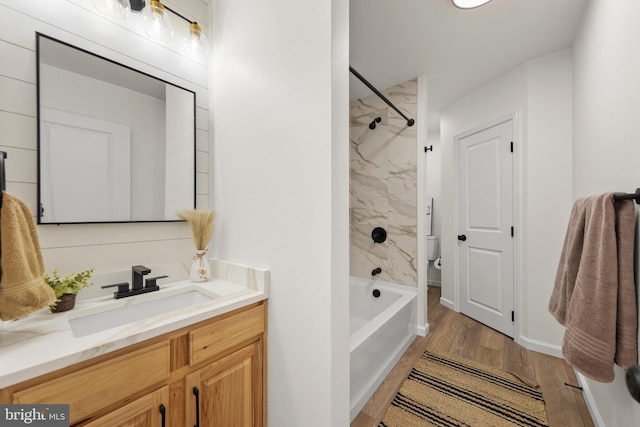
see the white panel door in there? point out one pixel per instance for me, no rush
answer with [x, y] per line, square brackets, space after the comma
[485, 241]
[88, 160]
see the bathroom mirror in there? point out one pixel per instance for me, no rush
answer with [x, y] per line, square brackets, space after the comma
[114, 144]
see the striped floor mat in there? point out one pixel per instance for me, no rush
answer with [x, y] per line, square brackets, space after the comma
[445, 390]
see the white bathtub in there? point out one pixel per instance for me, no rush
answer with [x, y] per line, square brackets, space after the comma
[381, 329]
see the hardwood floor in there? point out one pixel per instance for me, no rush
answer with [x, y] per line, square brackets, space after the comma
[460, 335]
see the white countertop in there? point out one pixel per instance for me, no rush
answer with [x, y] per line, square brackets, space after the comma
[44, 342]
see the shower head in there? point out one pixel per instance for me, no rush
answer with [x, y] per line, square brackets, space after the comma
[372, 125]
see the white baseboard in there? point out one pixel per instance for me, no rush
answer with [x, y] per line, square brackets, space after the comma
[588, 398]
[540, 347]
[447, 303]
[422, 330]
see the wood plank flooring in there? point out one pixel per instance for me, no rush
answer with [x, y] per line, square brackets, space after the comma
[458, 334]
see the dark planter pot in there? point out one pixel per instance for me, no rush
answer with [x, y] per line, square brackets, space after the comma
[67, 302]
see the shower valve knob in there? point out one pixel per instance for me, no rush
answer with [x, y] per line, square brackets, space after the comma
[379, 235]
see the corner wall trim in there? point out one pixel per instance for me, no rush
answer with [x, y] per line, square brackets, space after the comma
[422, 330]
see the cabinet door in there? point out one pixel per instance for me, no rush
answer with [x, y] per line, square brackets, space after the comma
[148, 411]
[227, 392]
[95, 387]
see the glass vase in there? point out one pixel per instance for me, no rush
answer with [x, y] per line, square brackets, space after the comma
[200, 268]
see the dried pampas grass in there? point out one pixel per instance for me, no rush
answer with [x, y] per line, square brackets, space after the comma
[201, 223]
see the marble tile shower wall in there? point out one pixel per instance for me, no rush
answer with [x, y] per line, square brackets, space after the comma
[383, 186]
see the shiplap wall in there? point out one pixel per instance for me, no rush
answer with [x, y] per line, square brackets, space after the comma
[107, 247]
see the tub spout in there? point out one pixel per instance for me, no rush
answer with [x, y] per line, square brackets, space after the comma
[376, 270]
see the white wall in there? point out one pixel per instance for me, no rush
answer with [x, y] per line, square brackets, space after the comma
[178, 159]
[107, 247]
[281, 164]
[546, 193]
[606, 150]
[539, 94]
[434, 190]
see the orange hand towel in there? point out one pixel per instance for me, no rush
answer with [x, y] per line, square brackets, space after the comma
[22, 286]
[594, 293]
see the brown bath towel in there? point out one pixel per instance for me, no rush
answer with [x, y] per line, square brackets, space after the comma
[594, 295]
[22, 286]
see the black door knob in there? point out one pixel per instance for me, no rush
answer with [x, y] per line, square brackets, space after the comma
[462, 237]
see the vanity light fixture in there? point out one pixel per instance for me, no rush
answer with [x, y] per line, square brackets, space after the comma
[469, 4]
[157, 22]
[114, 9]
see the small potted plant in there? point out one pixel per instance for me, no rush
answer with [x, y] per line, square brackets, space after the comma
[66, 288]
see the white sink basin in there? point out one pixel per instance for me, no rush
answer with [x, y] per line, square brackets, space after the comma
[136, 309]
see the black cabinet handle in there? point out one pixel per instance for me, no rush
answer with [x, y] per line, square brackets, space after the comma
[163, 412]
[196, 393]
[462, 237]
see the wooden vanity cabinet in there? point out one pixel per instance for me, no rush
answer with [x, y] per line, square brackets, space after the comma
[227, 392]
[152, 383]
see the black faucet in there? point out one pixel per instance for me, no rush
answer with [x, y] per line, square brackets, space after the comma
[137, 273]
[140, 286]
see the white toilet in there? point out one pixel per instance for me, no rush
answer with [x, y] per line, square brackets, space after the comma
[432, 248]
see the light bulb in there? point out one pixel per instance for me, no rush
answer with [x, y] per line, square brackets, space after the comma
[114, 9]
[157, 22]
[195, 44]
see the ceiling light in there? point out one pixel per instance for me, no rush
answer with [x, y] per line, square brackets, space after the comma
[469, 4]
[114, 9]
[157, 21]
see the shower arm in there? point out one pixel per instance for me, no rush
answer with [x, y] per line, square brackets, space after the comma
[410, 122]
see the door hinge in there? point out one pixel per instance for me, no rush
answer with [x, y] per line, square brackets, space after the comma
[512, 232]
[512, 146]
[513, 316]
